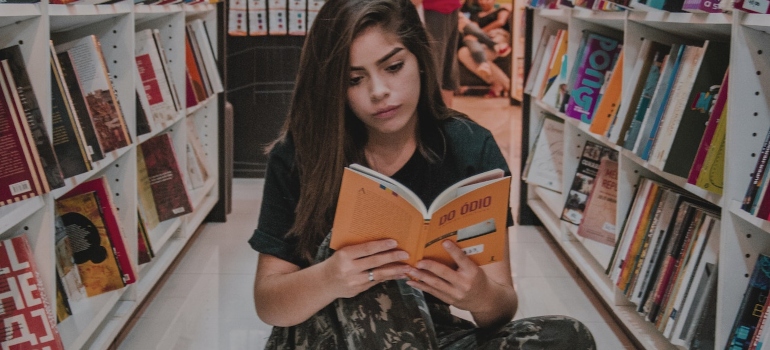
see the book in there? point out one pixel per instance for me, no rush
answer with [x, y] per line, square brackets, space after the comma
[101, 189]
[555, 64]
[167, 70]
[21, 174]
[144, 247]
[702, 6]
[145, 199]
[631, 95]
[92, 248]
[537, 61]
[543, 67]
[66, 270]
[63, 309]
[472, 212]
[168, 187]
[67, 140]
[676, 105]
[98, 91]
[610, 100]
[28, 318]
[25, 102]
[656, 55]
[637, 236]
[750, 199]
[695, 114]
[194, 76]
[599, 56]
[752, 6]
[79, 107]
[155, 86]
[200, 34]
[599, 220]
[142, 122]
[544, 164]
[715, 115]
[190, 35]
[747, 319]
[583, 180]
[659, 100]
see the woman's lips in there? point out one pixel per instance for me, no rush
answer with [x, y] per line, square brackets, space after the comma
[386, 112]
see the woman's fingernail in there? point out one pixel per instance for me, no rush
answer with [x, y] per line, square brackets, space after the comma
[403, 255]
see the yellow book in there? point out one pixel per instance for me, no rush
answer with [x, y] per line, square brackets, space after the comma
[472, 213]
[711, 176]
[610, 102]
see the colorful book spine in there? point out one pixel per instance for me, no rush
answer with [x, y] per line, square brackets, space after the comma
[747, 319]
[708, 134]
[711, 175]
[599, 56]
[702, 6]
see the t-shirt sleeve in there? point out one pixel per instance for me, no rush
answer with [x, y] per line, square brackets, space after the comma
[279, 200]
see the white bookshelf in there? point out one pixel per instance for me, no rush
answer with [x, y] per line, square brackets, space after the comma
[96, 321]
[743, 236]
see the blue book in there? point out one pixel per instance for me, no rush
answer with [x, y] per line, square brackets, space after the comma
[747, 319]
[657, 55]
[659, 107]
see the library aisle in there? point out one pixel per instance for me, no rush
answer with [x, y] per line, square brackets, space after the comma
[206, 302]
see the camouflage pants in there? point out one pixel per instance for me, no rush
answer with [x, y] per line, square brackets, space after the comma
[392, 315]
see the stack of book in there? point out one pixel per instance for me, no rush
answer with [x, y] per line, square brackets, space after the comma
[202, 79]
[672, 115]
[665, 262]
[31, 164]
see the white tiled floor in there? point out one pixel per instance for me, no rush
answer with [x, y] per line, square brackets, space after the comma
[206, 303]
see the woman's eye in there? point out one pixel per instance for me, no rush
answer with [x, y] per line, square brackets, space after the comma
[395, 67]
[355, 80]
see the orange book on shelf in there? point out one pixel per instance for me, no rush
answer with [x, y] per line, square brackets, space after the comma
[472, 213]
[610, 102]
[194, 74]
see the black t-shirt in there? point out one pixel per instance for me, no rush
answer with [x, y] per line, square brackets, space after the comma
[466, 149]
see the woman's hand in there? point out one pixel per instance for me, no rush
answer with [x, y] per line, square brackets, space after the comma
[354, 269]
[463, 288]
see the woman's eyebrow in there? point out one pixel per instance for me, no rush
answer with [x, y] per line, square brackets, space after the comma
[383, 59]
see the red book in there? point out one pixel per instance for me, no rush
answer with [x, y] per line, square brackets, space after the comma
[168, 187]
[111, 223]
[19, 175]
[708, 135]
[25, 309]
[194, 74]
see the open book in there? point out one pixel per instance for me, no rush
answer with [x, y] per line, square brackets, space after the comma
[473, 213]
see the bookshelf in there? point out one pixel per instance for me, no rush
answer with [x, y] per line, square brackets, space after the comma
[742, 235]
[96, 321]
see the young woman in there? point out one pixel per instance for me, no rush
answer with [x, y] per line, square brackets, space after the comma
[367, 93]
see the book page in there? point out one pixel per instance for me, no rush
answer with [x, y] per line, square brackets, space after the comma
[476, 221]
[369, 210]
[462, 187]
[394, 185]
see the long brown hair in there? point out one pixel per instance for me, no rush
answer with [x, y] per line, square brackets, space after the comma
[326, 134]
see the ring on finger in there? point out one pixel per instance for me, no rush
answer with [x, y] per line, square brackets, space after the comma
[371, 275]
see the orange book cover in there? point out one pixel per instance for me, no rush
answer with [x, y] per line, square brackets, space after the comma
[192, 71]
[610, 102]
[472, 213]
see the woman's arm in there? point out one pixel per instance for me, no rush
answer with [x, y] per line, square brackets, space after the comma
[486, 291]
[501, 21]
[285, 295]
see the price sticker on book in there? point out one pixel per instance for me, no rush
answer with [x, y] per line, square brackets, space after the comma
[759, 6]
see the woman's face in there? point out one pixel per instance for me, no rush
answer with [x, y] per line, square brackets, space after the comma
[486, 5]
[384, 83]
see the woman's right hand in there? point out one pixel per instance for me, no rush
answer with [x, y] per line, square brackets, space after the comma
[349, 269]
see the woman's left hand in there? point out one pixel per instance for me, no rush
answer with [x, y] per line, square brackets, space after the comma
[462, 287]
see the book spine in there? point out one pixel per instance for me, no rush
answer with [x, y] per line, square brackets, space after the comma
[66, 138]
[759, 171]
[708, 135]
[659, 109]
[600, 55]
[747, 318]
[79, 107]
[25, 98]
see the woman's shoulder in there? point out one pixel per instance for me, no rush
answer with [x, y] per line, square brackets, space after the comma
[282, 151]
[460, 127]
